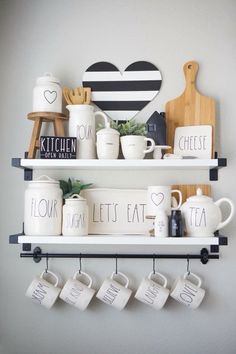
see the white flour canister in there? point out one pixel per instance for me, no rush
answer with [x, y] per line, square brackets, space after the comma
[75, 216]
[47, 94]
[43, 207]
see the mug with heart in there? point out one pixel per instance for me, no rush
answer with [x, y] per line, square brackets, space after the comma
[159, 198]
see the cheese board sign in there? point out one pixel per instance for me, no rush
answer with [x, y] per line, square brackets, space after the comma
[54, 147]
[195, 141]
[117, 211]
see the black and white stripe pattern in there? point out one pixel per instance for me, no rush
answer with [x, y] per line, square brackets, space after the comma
[121, 97]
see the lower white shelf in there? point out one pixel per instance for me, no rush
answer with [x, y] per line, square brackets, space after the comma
[120, 240]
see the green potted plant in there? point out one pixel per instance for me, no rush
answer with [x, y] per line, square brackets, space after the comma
[71, 187]
[133, 140]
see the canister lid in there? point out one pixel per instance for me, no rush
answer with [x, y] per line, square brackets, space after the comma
[46, 78]
[108, 130]
[76, 198]
[199, 197]
[45, 180]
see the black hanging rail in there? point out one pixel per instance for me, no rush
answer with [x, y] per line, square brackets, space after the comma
[37, 255]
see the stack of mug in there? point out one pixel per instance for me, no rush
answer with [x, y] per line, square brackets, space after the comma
[163, 207]
[115, 290]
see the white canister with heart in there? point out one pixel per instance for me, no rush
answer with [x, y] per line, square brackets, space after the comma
[75, 216]
[43, 207]
[47, 94]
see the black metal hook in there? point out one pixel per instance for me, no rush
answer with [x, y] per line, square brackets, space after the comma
[46, 269]
[154, 264]
[116, 271]
[188, 265]
[80, 263]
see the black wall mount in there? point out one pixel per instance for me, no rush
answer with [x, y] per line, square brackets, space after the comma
[37, 255]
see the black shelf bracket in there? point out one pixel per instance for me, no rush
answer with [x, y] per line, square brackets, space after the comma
[28, 172]
[213, 172]
[13, 239]
[37, 255]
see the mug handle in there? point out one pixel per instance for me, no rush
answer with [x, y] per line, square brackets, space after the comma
[123, 276]
[195, 276]
[53, 275]
[99, 113]
[79, 273]
[218, 203]
[160, 275]
[152, 147]
[180, 198]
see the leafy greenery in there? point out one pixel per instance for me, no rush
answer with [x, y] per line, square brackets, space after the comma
[130, 127]
[72, 187]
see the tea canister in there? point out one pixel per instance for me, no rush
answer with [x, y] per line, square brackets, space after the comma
[75, 216]
[47, 94]
[43, 207]
[108, 142]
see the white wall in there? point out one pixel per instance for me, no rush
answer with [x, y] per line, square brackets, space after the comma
[65, 37]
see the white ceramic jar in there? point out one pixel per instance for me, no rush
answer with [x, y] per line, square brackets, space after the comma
[43, 207]
[108, 142]
[75, 216]
[82, 126]
[47, 94]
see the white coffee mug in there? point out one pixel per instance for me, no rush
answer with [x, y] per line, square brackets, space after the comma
[43, 292]
[135, 146]
[77, 293]
[152, 293]
[113, 293]
[159, 198]
[186, 292]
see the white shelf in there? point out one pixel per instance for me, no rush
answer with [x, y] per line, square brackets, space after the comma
[120, 240]
[200, 164]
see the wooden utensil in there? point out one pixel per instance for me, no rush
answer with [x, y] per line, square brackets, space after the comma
[77, 95]
[66, 95]
[191, 108]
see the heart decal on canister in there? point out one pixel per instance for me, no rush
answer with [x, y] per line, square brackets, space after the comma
[50, 96]
[157, 198]
[122, 96]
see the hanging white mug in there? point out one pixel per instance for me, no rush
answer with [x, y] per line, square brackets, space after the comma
[43, 292]
[76, 293]
[113, 293]
[151, 292]
[188, 292]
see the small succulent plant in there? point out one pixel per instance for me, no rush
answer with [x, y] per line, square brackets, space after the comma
[72, 187]
[130, 127]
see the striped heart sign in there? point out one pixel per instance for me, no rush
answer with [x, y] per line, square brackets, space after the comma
[122, 96]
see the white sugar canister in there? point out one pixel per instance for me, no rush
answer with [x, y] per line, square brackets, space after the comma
[47, 94]
[43, 207]
[75, 216]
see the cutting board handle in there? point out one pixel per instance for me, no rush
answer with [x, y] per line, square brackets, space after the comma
[190, 72]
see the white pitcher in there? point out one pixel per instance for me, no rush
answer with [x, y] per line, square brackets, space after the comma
[82, 126]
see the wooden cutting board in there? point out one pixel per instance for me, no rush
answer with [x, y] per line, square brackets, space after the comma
[191, 108]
